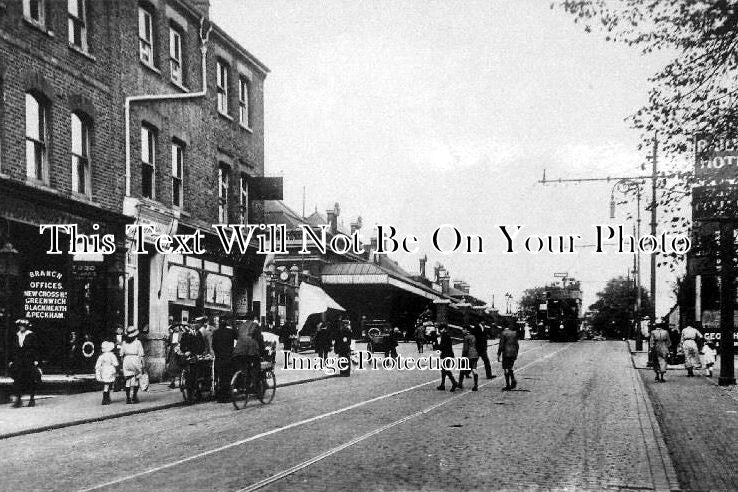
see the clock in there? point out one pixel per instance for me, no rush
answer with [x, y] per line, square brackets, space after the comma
[284, 276]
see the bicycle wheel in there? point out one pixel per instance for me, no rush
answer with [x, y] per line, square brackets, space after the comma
[185, 386]
[239, 390]
[268, 386]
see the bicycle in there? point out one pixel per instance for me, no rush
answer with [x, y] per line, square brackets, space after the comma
[265, 389]
[196, 378]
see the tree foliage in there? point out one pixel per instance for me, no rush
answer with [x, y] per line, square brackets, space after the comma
[694, 93]
[613, 313]
[533, 297]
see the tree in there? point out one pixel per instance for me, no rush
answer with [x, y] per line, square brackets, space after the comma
[531, 300]
[534, 297]
[613, 313]
[693, 94]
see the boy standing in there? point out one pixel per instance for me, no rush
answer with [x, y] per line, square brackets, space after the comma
[508, 351]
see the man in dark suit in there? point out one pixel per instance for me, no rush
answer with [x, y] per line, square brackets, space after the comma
[480, 337]
[508, 351]
[24, 366]
[223, 339]
[447, 351]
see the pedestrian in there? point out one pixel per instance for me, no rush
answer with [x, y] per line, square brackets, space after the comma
[206, 329]
[431, 334]
[322, 341]
[708, 358]
[689, 347]
[660, 343]
[248, 350]
[172, 354]
[192, 347]
[132, 352]
[223, 339]
[420, 337]
[342, 347]
[480, 337]
[674, 337]
[508, 351]
[24, 365]
[72, 353]
[106, 369]
[469, 351]
[446, 352]
[393, 340]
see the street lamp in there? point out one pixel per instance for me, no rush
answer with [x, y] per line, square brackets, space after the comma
[626, 185]
[9, 272]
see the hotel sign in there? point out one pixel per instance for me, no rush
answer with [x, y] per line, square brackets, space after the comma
[716, 159]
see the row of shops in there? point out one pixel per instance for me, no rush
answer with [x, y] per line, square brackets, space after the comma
[89, 297]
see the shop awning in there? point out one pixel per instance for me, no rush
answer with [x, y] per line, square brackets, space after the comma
[371, 274]
[314, 300]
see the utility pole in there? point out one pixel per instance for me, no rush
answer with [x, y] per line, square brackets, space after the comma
[635, 182]
[727, 304]
[654, 177]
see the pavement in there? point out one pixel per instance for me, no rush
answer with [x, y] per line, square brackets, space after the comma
[64, 410]
[699, 422]
[579, 420]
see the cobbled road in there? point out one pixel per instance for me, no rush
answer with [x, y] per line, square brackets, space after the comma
[578, 419]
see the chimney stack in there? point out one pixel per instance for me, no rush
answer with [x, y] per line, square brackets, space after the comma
[355, 226]
[202, 6]
[332, 215]
[423, 261]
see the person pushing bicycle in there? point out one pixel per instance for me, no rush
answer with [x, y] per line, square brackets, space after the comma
[249, 349]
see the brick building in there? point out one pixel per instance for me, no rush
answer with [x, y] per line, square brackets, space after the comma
[119, 112]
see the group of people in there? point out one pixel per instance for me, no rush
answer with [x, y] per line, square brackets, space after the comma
[126, 353]
[661, 345]
[229, 349]
[475, 348]
[340, 341]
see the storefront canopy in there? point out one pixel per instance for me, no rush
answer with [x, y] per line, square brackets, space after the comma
[313, 300]
[370, 274]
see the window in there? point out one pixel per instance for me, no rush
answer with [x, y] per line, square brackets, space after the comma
[81, 155]
[146, 36]
[222, 86]
[223, 193]
[243, 102]
[33, 10]
[177, 173]
[148, 158]
[36, 121]
[175, 55]
[77, 24]
[243, 200]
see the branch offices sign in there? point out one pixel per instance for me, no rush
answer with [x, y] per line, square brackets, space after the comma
[45, 297]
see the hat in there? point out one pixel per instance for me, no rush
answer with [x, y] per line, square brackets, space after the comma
[201, 319]
[107, 346]
[22, 321]
[131, 331]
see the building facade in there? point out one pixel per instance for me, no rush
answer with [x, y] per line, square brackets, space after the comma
[123, 113]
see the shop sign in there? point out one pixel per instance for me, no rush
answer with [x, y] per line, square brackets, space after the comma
[711, 325]
[714, 202]
[45, 296]
[715, 158]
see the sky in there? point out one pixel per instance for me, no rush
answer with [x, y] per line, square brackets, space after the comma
[423, 113]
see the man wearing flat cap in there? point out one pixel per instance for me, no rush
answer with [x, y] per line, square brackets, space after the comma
[24, 366]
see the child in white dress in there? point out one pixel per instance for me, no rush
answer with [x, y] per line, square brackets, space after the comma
[708, 358]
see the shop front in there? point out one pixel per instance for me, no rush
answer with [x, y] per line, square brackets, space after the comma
[73, 302]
